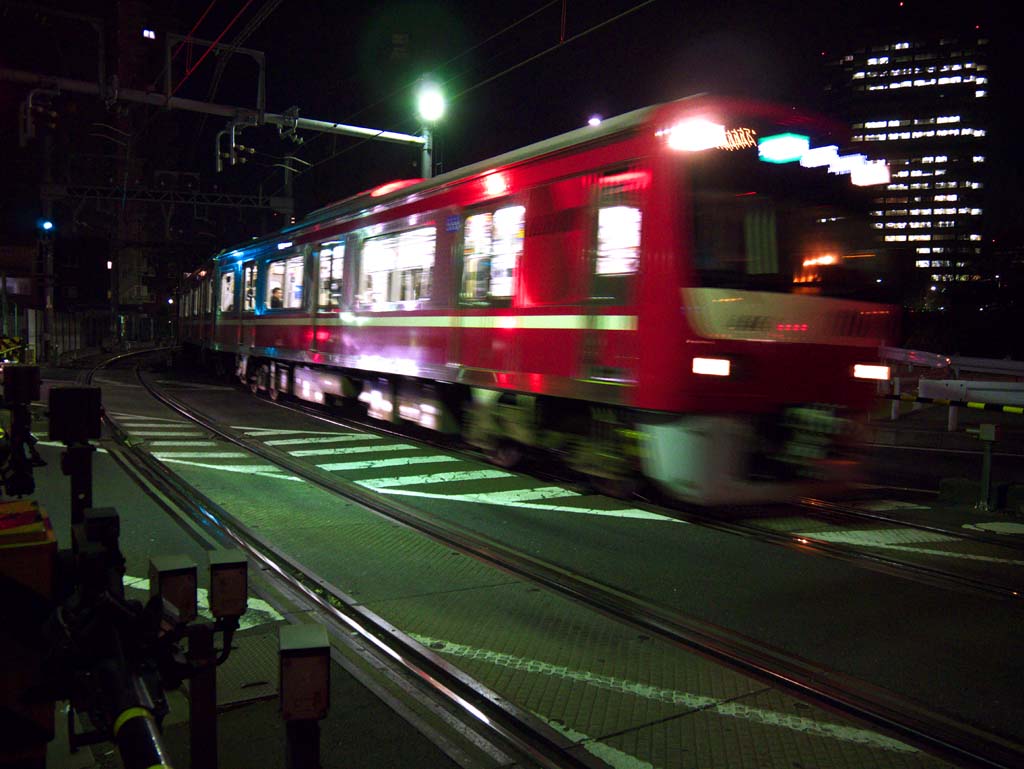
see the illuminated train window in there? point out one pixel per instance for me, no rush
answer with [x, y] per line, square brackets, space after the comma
[332, 260]
[396, 270]
[493, 245]
[227, 291]
[249, 287]
[284, 283]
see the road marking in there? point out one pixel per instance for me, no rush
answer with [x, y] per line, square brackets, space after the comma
[267, 471]
[166, 433]
[884, 505]
[374, 463]
[327, 439]
[258, 612]
[611, 756]
[183, 443]
[194, 385]
[112, 383]
[133, 425]
[729, 708]
[200, 454]
[126, 415]
[880, 537]
[59, 445]
[997, 527]
[333, 450]
[493, 499]
[449, 477]
[902, 541]
[261, 431]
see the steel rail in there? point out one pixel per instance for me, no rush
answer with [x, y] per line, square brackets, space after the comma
[883, 709]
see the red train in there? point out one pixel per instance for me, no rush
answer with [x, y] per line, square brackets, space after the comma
[674, 294]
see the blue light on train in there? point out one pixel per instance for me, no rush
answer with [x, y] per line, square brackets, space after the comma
[783, 148]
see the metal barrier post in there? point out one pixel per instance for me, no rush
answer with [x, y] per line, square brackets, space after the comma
[304, 658]
[894, 409]
[953, 419]
[987, 434]
[202, 691]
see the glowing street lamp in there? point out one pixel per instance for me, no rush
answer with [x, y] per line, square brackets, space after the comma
[430, 105]
[430, 102]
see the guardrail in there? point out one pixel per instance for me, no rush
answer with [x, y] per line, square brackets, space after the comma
[955, 393]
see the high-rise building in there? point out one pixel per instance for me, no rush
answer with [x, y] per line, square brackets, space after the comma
[921, 102]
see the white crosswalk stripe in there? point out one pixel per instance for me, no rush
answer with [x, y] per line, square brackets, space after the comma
[447, 477]
[168, 444]
[392, 462]
[343, 438]
[165, 433]
[200, 454]
[267, 471]
[335, 450]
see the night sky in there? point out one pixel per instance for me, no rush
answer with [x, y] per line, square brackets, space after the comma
[357, 62]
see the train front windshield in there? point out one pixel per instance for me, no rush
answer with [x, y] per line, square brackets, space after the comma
[780, 227]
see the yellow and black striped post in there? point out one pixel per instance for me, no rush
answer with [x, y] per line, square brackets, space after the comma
[138, 740]
[965, 404]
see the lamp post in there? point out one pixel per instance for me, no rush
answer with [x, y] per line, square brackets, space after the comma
[430, 105]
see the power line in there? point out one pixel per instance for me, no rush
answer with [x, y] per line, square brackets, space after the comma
[206, 53]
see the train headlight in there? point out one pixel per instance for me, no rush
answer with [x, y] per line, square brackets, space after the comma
[712, 366]
[871, 371]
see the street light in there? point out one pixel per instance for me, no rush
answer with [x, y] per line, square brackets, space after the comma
[430, 105]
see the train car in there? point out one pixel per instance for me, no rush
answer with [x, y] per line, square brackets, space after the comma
[676, 295]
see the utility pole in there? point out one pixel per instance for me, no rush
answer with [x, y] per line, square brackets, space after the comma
[46, 244]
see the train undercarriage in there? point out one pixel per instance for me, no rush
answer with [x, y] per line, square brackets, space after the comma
[706, 459]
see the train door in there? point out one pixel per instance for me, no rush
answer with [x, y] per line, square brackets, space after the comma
[226, 335]
[247, 328]
[491, 249]
[327, 263]
[609, 351]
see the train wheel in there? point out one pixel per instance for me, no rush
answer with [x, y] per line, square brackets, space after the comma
[507, 454]
[260, 379]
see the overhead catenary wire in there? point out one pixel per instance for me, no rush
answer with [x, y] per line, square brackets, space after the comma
[212, 45]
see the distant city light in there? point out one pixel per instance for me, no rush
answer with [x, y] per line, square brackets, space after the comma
[430, 102]
[170, 300]
[283, 246]
[110, 265]
[149, 34]
[46, 225]
[870, 172]
[783, 148]
[595, 120]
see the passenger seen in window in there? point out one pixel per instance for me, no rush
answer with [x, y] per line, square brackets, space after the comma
[275, 298]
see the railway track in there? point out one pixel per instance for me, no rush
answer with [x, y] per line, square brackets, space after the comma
[882, 709]
[828, 516]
